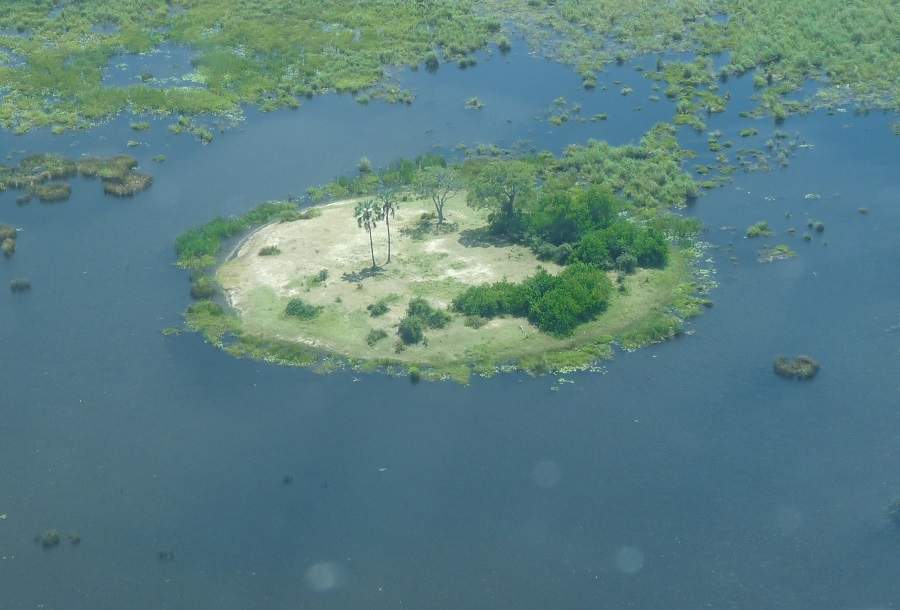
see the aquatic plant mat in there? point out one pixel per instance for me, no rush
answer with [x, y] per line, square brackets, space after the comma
[271, 53]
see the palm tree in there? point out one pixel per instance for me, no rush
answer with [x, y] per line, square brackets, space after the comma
[387, 205]
[367, 215]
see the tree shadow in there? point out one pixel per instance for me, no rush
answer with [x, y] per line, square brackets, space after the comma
[355, 277]
[427, 226]
[483, 237]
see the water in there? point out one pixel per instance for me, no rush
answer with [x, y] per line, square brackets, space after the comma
[687, 476]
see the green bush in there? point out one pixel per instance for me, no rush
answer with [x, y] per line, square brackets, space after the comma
[378, 308]
[555, 304]
[579, 293]
[269, 251]
[300, 309]
[604, 247]
[422, 309]
[375, 335]
[411, 330]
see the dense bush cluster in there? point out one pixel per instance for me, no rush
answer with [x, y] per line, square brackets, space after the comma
[555, 304]
[420, 315]
[623, 246]
[300, 309]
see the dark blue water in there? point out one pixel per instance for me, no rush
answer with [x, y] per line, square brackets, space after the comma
[687, 476]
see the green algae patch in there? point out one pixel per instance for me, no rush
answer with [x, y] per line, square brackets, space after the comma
[351, 323]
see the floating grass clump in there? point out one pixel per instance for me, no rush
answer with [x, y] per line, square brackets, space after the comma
[801, 367]
[473, 103]
[51, 192]
[759, 229]
[127, 185]
[776, 253]
[7, 240]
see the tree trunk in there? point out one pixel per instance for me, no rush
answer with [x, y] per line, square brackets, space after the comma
[387, 223]
[440, 212]
[372, 249]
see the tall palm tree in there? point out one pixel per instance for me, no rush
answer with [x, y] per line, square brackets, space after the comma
[387, 205]
[367, 216]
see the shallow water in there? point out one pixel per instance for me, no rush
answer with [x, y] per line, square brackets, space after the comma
[686, 476]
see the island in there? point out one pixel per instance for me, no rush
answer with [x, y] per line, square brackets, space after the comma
[444, 270]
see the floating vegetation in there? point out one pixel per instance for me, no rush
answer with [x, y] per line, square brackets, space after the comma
[204, 287]
[473, 103]
[40, 175]
[158, 158]
[561, 111]
[127, 185]
[759, 229]
[187, 125]
[801, 367]
[20, 285]
[51, 192]
[140, 126]
[748, 132]
[7, 240]
[775, 253]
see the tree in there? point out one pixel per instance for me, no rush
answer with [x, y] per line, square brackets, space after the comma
[387, 205]
[438, 184]
[502, 186]
[367, 216]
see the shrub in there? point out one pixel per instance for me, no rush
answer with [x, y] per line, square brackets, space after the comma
[269, 251]
[375, 335]
[431, 317]
[626, 262]
[8, 246]
[300, 309]
[411, 330]
[7, 232]
[378, 308]
[579, 293]
[475, 321]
